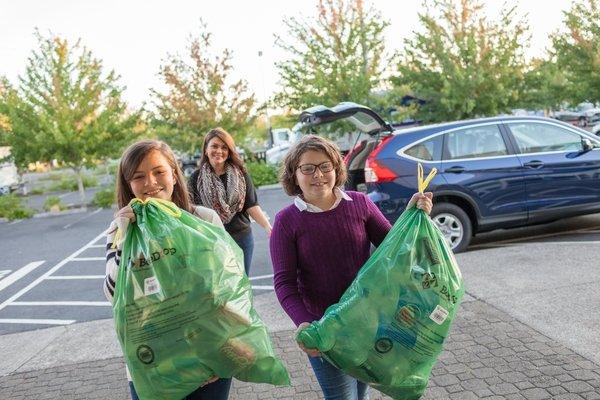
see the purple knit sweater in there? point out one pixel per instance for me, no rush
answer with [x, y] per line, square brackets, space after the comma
[316, 256]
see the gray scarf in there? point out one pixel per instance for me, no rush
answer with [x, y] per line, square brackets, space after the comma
[213, 194]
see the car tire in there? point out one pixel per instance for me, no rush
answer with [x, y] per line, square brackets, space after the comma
[454, 223]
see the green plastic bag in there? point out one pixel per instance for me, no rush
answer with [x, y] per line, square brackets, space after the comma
[183, 306]
[389, 326]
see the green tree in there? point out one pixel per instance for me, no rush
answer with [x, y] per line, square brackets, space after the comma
[67, 109]
[463, 64]
[337, 56]
[577, 50]
[544, 85]
[199, 96]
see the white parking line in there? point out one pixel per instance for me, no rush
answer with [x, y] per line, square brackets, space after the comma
[49, 272]
[98, 245]
[255, 278]
[89, 259]
[18, 274]
[61, 303]
[5, 272]
[262, 287]
[37, 321]
[74, 277]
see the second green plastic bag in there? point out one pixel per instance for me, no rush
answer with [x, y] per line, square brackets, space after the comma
[389, 326]
[183, 306]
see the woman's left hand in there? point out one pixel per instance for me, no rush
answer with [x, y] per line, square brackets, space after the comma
[422, 201]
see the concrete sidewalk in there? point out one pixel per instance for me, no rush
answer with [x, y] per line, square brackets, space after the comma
[489, 355]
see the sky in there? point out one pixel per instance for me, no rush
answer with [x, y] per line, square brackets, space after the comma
[133, 37]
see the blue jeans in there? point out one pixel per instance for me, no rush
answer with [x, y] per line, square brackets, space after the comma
[218, 390]
[335, 384]
[246, 243]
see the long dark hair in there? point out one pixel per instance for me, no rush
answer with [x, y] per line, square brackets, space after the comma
[233, 155]
[131, 159]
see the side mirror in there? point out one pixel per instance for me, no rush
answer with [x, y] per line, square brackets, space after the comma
[587, 144]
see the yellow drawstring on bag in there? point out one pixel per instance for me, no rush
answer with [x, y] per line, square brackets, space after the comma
[423, 183]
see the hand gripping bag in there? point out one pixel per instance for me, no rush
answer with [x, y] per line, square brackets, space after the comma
[389, 326]
[183, 306]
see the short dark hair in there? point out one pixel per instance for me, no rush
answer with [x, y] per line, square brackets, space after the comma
[287, 175]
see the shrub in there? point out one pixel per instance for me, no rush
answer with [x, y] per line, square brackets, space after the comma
[104, 198]
[12, 208]
[70, 183]
[54, 203]
[37, 190]
[262, 173]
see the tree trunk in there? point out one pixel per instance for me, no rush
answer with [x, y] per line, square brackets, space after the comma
[79, 175]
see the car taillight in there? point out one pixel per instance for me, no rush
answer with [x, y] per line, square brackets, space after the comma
[376, 172]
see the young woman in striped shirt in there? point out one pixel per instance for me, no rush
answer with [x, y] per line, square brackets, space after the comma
[149, 169]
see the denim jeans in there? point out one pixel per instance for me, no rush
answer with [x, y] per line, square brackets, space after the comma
[218, 390]
[335, 384]
[246, 243]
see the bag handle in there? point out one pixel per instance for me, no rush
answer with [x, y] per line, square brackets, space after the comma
[422, 183]
[168, 207]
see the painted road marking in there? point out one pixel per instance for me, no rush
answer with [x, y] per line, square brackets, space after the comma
[18, 274]
[68, 277]
[5, 272]
[61, 303]
[89, 259]
[50, 272]
[262, 287]
[255, 278]
[37, 321]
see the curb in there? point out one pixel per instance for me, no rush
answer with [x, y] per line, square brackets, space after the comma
[270, 187]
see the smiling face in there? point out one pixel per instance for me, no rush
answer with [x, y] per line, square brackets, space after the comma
[154, 177]
[318, 185]
[217, 152]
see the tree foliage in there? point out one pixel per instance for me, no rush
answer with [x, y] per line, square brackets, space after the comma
[66, 109]
[577, 50]
[200, 95]
[337, 56]
[463, 64]
[544, 86]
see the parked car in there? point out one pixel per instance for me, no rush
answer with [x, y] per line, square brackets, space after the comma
[583, 115]
[500, 172]
[9, 176]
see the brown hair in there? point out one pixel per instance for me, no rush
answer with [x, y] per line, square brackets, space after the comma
[222, 134]
[131, 159]
[287, 175]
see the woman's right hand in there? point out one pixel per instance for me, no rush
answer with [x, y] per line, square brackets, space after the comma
[310, 352]
[126, 212]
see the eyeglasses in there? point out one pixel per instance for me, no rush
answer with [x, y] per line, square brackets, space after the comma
[309, 169]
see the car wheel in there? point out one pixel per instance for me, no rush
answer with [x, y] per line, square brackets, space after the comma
[454, 224]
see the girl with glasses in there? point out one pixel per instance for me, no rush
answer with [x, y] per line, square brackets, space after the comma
[319, 243]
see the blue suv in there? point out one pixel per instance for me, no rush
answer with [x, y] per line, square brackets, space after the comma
[500, 172]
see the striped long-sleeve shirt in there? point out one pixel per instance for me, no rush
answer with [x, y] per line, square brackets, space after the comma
[113, 253]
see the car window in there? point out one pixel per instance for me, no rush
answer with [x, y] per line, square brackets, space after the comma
[475, 142]
[428, 150]
[535, 137]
